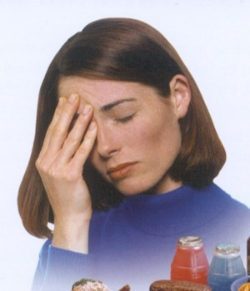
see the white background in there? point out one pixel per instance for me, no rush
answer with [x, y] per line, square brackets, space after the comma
[212, 37]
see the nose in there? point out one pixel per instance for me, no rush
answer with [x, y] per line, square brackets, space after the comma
[107, 143]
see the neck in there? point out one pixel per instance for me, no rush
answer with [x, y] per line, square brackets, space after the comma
[165, 186]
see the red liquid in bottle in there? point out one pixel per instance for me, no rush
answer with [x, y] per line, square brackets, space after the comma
[190, 261]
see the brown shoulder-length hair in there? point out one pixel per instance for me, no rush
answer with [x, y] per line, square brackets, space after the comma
[129, 50]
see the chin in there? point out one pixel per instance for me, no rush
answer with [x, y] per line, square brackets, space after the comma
[132, 188]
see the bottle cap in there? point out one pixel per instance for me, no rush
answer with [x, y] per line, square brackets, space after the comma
[227, 250]
[190, 242]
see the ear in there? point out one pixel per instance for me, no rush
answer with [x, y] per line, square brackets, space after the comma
[180, 94]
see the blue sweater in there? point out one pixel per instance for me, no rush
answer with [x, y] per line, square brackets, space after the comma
[134, 243]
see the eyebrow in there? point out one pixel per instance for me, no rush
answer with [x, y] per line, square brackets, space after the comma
[111, 105]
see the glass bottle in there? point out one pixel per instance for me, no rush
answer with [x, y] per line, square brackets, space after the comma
[226, 267]
[190, 261]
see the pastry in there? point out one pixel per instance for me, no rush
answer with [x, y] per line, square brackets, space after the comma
[89, 285]
[171, 285]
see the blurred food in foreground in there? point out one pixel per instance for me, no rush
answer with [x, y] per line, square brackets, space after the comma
[175, 285]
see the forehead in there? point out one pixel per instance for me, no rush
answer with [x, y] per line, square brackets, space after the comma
[101, 92]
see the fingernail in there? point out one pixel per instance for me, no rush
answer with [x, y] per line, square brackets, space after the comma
[86, 109]
[61, 100]
[73, 98]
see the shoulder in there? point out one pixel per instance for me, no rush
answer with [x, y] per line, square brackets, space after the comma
[229, 219]
[214, 196]
[214, 209]
[222, 196]
[229, 213]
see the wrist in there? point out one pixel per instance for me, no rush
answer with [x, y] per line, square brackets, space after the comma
[72, 233]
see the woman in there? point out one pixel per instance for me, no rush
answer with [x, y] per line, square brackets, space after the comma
[123, 161]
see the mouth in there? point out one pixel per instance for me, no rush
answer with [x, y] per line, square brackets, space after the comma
[120, 171]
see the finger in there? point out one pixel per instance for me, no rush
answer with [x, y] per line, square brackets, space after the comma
[85, 148]
[52, 124]
[76, 135]
[60, 129]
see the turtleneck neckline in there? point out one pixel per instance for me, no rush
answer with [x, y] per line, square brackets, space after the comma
[161, 197]
[165, 214]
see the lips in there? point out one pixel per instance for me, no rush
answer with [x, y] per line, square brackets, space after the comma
[120, 171]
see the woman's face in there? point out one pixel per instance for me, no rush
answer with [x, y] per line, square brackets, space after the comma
[138, 136]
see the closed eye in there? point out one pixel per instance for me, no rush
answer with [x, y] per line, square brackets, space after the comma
[125, 119]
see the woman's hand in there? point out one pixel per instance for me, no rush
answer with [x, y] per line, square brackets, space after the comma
[60, 165]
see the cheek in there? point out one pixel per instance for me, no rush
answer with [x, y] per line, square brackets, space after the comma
[137, 136]
[161, 138]
[145, 138]
[153, 132]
